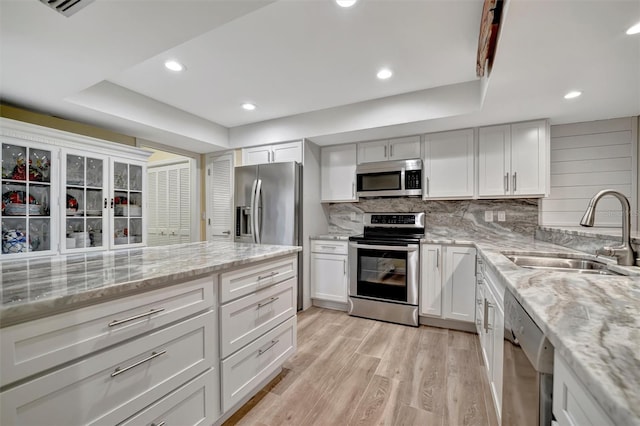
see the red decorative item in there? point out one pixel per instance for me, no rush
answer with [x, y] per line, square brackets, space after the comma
[19, 172]
[72, 203]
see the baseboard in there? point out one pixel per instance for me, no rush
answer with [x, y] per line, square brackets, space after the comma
[329, 305]
[450, 324]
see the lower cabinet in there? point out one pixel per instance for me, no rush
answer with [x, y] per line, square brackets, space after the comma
[111, 386]
[448, 282]
[572, 403]
[257, 326]
[329, 271]
[490, 326]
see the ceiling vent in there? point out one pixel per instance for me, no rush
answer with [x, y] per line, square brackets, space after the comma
[67, 7]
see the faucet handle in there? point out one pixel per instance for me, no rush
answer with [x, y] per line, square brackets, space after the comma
[605, 251]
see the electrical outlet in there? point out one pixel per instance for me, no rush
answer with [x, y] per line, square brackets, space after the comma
[352, 215]
[502, 216]
[488, 216]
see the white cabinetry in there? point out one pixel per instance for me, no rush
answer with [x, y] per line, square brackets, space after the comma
[490, 324]
[257, 325]
[83, 193]
[448, 282]
[102, 367]
[338, 173]
[391, 149]
[449, 165]
[573, 405]
[277, 153]
[329, 271]
[513, 160]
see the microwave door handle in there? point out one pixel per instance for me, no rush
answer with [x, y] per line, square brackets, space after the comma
[381, 247]
[257, 212]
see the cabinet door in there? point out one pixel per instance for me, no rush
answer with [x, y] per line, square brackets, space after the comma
[448, 164]
[284, 152]
[85, 202]
[329, 277]
[128, 180]
[369, 152]
[431, 280]
[528, 158]
[256, 155]
[29, 173]
[338, 173]
[220, 197]
[494, 154]
[459, 283]
[404, 148]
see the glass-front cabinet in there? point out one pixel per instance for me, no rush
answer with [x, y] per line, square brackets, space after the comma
[27, 194]
[85, 204]
[65, 193]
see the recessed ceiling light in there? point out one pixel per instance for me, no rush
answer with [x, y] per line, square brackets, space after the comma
[174, 65]
[384, 74]
[572, 94]
[346, 3]
[634, 29]
[248, 106]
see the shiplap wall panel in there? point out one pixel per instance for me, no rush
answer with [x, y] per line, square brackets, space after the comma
[586, 158]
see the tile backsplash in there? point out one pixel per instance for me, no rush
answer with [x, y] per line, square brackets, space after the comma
[521, 215]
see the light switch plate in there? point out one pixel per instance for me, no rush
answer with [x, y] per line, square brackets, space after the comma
[502, 216]
[488, 216]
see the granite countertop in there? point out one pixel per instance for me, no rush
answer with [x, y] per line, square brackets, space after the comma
[593, 232]
[37, 288]
[592, 320]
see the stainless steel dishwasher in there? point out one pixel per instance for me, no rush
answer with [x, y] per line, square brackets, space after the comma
[527, 382]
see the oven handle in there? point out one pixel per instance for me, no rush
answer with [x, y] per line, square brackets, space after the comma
[390, 248]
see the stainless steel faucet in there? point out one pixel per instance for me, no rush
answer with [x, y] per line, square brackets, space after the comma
[624, 252]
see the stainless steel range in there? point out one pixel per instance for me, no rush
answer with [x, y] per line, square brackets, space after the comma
[384, 268]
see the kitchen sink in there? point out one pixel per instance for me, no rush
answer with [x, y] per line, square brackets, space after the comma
[566, 264]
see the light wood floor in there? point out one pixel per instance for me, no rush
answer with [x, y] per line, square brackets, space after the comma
[354, 371]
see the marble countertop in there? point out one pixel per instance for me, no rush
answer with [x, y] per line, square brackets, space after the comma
[592, 320]
[594, 232]
[37, 288]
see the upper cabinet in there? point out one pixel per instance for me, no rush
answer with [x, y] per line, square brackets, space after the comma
[277, 153]
[391, 149]
[513, 160]
[338, 173]
[448, 165]
[66, 193]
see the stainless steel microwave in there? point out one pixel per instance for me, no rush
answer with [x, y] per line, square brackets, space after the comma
[389, 179]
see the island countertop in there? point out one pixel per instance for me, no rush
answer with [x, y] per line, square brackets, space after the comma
[39, 287]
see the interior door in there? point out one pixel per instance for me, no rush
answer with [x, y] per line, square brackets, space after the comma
[220, 195]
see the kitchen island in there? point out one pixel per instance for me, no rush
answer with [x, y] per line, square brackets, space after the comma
[144, 334]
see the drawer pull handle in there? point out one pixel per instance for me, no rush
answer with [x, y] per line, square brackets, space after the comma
[264, 277]
[153, 355]
[135, 317]
[159, 424]
[329, 247]
[273, 299]
[273, 343]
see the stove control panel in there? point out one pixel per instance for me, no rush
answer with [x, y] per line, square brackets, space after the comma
[391, 220]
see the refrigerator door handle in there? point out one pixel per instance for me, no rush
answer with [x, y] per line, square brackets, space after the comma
[252, 210]
[256, 212]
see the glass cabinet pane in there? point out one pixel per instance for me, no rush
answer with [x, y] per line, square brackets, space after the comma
[94, 172]
[121, 231]
[26, 199]
[135, 178]
[120, 175]
[75, 170]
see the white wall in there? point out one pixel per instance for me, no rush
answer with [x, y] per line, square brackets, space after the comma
[585, 158]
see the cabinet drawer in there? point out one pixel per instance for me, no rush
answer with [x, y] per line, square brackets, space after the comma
[247, 280]
[117, 383]
[35, 346]
[193, 404]
[245, 369]
[247, 318]
[334, 247]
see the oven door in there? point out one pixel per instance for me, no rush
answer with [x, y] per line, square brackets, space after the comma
[384, 271]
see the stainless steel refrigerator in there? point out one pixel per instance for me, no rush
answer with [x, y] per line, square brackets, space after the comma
[267, 207]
